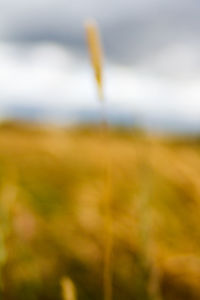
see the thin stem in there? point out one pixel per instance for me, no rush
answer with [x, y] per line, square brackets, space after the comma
[107, 272]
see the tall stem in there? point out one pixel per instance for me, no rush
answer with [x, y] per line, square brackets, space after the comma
[107, 271]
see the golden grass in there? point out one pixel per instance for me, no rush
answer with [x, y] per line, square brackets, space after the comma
[95, 50]
[96, 54]
[68, 289]
[55, 221]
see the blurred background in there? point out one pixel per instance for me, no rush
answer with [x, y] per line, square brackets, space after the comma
[68, 188]
[151, 61]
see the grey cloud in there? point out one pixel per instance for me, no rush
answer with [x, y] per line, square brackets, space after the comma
[133, 31]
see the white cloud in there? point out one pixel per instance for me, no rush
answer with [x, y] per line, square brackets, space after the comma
[45, 74]
[177, 59]
[52, 77]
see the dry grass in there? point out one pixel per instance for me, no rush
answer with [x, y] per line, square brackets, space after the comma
[95, 50]
[53, 216]
[96, 53]
[68, 289]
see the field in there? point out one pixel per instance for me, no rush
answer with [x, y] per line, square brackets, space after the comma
[52, 182]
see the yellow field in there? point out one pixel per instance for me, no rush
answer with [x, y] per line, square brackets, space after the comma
[52, 183]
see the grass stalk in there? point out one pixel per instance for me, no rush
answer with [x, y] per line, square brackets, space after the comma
[68, 289]
[96, 55]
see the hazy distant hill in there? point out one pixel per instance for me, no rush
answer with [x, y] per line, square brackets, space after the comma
[114, 115]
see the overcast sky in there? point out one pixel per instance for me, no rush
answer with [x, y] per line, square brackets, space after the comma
[152, 54]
